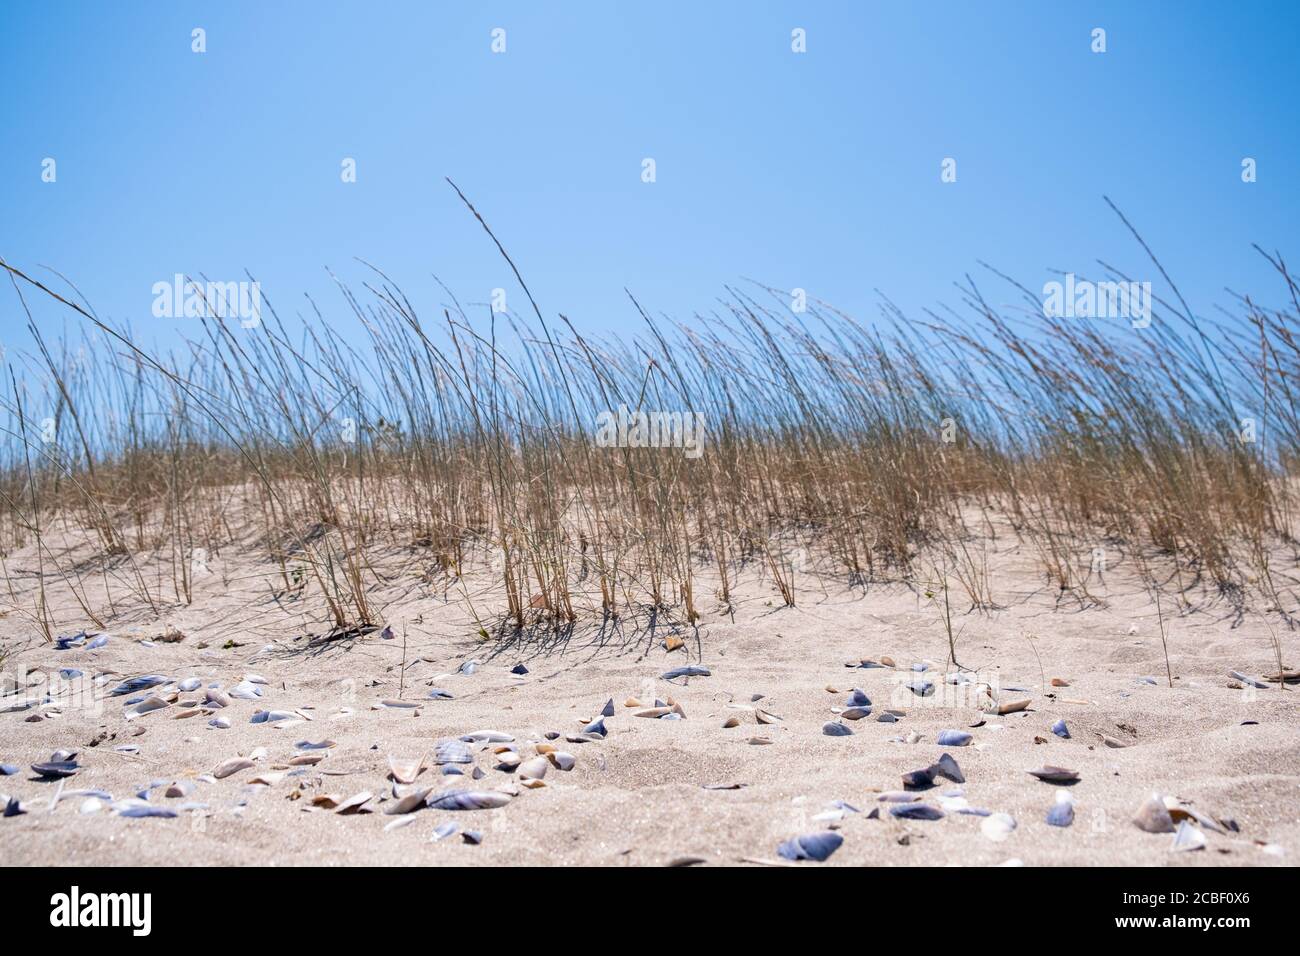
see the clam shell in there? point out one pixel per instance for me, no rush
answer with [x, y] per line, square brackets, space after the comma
[856, 713]
[561, 760]
[1153, 816]
[508, 762]
[404, 771]
[355, 803]
[245, 691]
[953, 738]
[136, 684]
[54, 769]
[437, 693]
[412, 801]
[442, 831]
[306, 760]
[487, 736]
[467, 800]
[947, 767]
[534, 768]
[1187, 838]
[233, 765]
[314, 745]
[1055, 774]
[141, 808]
[215, 698]
[452, 751]
[997, 826]
[596, 727]
[810, 846]
[1012, 706]
[916, 811]
[836, 729]
[857, 698]
[690, 670]
[146, 706]
[189, 684]
[919, 779]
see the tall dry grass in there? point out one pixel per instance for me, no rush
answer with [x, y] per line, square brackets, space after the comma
[874, 451]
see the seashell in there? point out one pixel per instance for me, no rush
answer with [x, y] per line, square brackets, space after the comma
[1061, 813]
[519, 669]
[404, 771]
[947, 767]
[146, 706]
[8, 769]
[1153, 816]
[233, 765]
[898, 796]
[764, 716]
[953, 738]
[257, 753]
[920, 668]
[472, 837]
[91, 805]
[1061, 730]
[811, 846]
[245, 691]
[631, 702]
[856, 713]
[412, 801]
[885, 718]
[221, 723]
[690, 670]
[1060, 682]
[997, 826]
[835, 729]
[919, 779]
[731, 722]
[487, 737]
[394, 703]
[468, 667]
[142, 808]
[55, 769]
[534, 768]
[467, 799]
[442, 831]
[214, 698]
[62, 754]
[477, 773]
[1249, 681]
[921, 687]
[69, 673]
[508, 762]
[306, 760]
[189, 684]
[1283, 677]
[561, 760]
[180, 788]
[532, 783]
[355, 803]
[916, 811]
[137, 683]
[654, 712]
[1012, 706]
[327, 801]
[608, 709]
[1187, 838]
[1055, 774]
[271, 716]
[398, 824]
[268, 779]
[760, 741]
[1112, 742]
[857, 698]
[437, 693]
[596, 727]
[314, 745]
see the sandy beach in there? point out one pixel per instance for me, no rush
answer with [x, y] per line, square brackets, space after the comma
[656, 791]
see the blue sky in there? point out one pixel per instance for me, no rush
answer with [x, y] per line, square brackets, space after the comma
[818, 170]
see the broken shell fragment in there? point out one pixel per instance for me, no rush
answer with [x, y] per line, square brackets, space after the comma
[1153, 816]
[1187, 838]
[947, 767]
[355, 803]
[561, 760]
[690, 670]
[534, 768]
[404, 771]
[1061, 813]
[1061, 730]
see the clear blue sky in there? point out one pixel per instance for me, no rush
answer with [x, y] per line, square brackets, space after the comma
[818, 170]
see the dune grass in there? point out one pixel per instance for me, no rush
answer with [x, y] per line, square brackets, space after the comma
[872, 451]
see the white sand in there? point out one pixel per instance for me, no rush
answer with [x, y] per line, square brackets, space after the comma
[637, 797]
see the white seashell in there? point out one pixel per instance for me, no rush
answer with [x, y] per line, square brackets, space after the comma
[221, 723]
[1187, 837]
[189, 684]
[355, 803]
[233, 765]
[487, 736]
[91, 805]
[997, 826]
[254, 679]
[398, 823]
[258, 753]
[412, 801]
[404, 771]
[246, 691]
[216, 698]
[534, 768]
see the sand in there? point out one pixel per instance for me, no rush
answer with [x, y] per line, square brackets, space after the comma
[639, 797]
